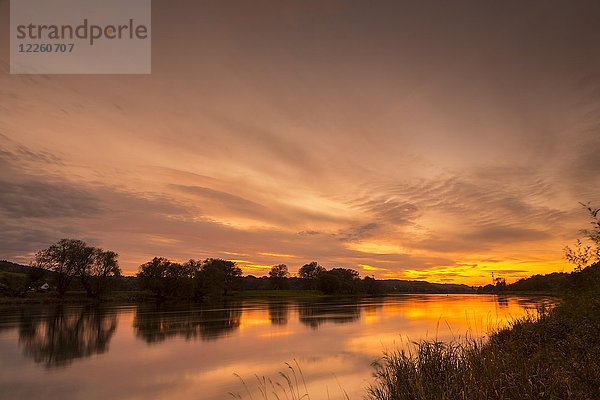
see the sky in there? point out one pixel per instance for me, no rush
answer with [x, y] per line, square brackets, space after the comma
[438, 141]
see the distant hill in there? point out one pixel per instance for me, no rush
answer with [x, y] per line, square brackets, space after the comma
[251, 282]
[8, 266]
[403, 286]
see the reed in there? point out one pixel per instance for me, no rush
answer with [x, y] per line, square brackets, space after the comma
[291, 385]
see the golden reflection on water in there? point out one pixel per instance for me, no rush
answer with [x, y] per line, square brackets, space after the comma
[192, 352]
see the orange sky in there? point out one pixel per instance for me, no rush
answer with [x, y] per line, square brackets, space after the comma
[398, 139]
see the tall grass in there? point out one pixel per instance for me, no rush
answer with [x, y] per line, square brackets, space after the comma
[291, 386]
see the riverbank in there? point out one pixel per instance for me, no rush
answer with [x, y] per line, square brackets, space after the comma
[79, 298]
[140, 296]
[555, 355]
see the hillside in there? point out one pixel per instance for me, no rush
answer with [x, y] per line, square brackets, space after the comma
[14, 268]
[403, 286]
[556, 281]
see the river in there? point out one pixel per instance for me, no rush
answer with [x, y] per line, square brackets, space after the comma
[193, 352]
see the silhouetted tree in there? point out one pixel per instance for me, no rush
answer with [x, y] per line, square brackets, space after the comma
[581, 254]
[339, 281]
[370, 285]
[193, 285]
[198, 280]
[218, 277]
[500, 284]
[593, 234]
[71, 258]
[328, 283]
[348, 279]
[310, 272]
[278, 276]
[97, 275]
[165, 278]
[67, 258]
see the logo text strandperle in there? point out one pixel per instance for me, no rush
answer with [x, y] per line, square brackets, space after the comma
[85, 30]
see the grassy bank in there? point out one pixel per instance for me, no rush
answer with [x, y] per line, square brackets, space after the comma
[132, 296]
[135, 296]
[278, 294]
[553, 356]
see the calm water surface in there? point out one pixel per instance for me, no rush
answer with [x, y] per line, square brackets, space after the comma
[184, 352]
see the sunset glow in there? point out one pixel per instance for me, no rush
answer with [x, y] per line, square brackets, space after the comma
[281, 132]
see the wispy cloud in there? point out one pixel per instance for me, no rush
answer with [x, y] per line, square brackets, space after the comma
[401, 149]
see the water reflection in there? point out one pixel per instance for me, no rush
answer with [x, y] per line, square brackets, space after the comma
[157, 323]
[502, 301]
[196, 350]
[279, 313]
[541, 302]
[58, 336]
[316, 314]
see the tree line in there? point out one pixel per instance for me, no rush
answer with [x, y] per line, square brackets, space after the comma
[215, 278]
[71, 263]
[317, 277]
[194, 280]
